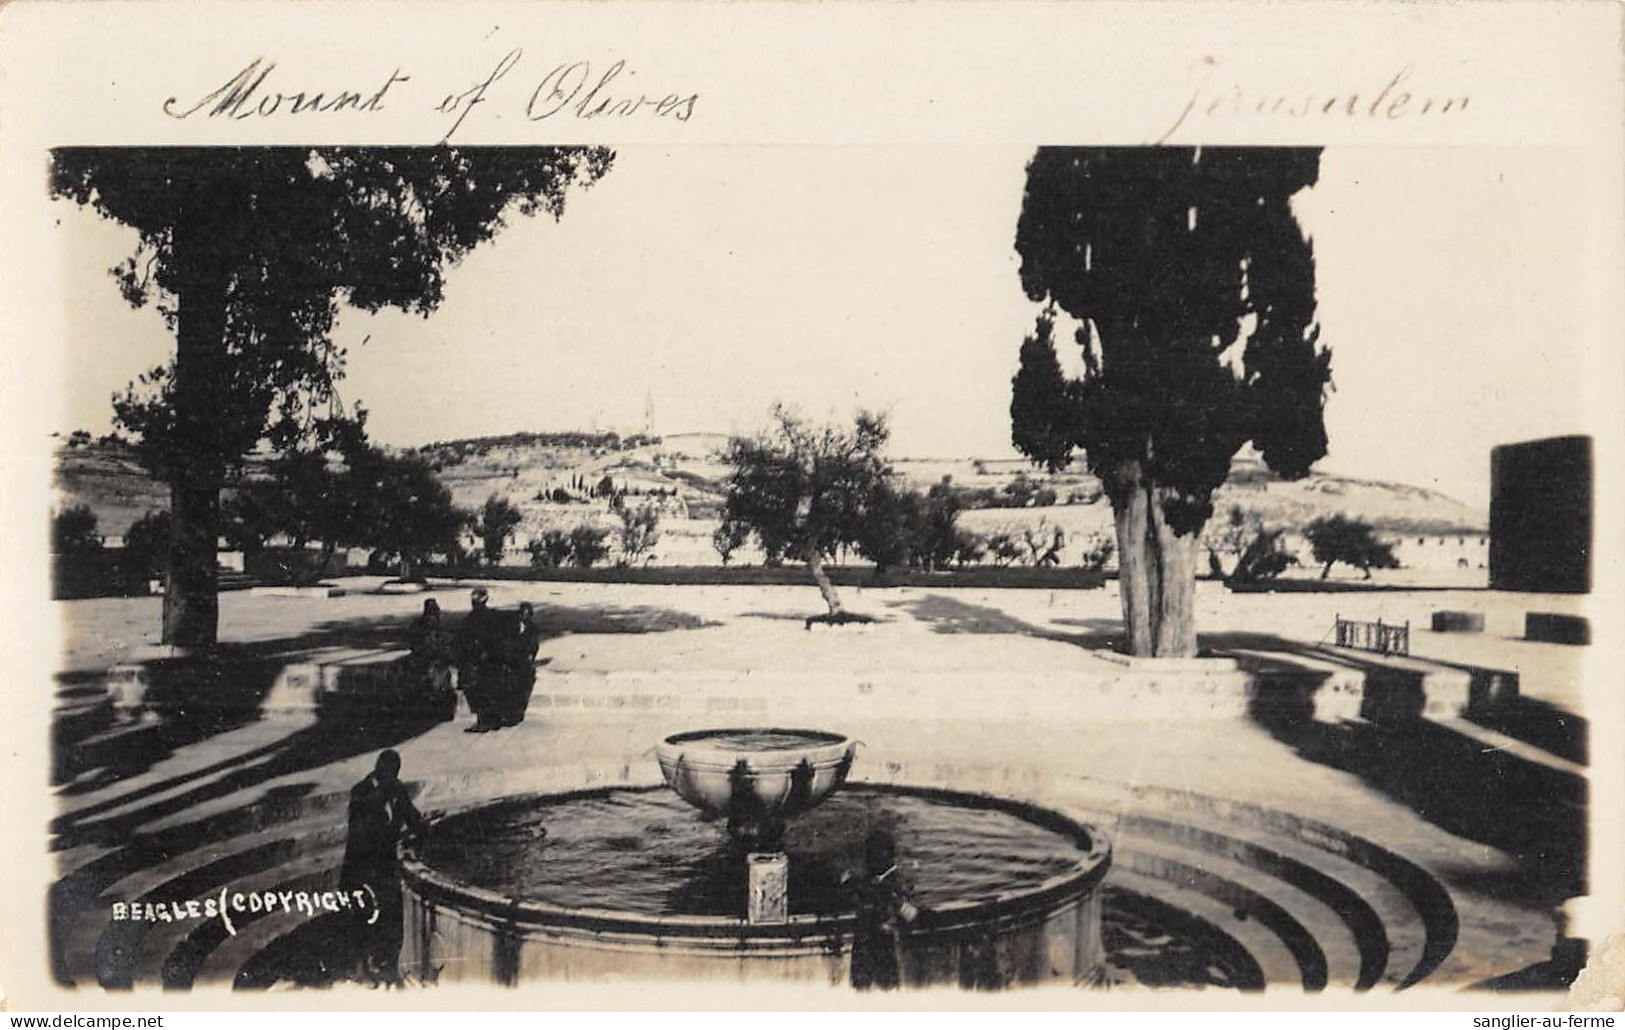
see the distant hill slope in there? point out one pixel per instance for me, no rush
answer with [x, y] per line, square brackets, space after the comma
[108, 479]
[551, 477]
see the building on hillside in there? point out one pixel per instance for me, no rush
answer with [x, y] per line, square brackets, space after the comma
[1540, 515]
[1467, 550]
[1427, 552]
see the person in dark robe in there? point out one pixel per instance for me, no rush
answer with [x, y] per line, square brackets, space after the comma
[429, 666]
[479, 662]
[522, 642]
[883, 912]
[381, 816]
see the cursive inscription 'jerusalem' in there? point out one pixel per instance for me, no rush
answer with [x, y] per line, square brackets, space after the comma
[1233, 100]
[245, 95]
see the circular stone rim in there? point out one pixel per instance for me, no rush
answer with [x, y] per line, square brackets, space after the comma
[823, 749]
[1083, 876]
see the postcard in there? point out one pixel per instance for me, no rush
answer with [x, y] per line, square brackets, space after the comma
[809, 506]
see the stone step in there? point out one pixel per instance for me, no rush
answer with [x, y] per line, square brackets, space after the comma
[202, 766]
[1204, 916]
[113, 946]
[1401, 687]
[1415, 910]
[91, 870]
[100, 949]
[104, 747]
[1096, 691]
[1320, 943]
[77, 718]
[97, 951]
[1387, 928]
[223, 963]
[1497, 741]
[173, 953]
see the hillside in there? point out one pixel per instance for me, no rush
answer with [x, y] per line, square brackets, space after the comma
[552, 478]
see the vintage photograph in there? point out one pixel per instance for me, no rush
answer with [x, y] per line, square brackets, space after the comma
[1110, 568]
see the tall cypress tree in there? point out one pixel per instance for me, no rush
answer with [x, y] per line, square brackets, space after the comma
[1195, 287]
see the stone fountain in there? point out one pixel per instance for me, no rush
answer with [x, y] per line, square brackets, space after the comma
[758, 780]
[631, 883]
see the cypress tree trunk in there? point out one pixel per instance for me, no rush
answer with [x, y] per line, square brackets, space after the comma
[1175, 614]
[1135, 569]
[1156, 572]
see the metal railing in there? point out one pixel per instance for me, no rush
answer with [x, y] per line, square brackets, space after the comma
[1379, 636]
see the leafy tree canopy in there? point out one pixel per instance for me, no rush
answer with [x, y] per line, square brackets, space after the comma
[804, 488]
[495, 524]
[1338, 538]
[1195, 289]
[807, 490]
[281, 237]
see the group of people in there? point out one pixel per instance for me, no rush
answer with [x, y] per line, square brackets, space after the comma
[494, 653]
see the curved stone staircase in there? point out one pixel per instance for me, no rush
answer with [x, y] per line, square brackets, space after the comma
[1271, 898]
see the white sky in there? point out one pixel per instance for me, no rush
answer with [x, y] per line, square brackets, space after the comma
[1453, 285]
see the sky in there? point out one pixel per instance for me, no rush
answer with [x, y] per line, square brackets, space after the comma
[711, 282]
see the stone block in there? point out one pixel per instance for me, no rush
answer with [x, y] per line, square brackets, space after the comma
[1552, 628]
[1458, 622]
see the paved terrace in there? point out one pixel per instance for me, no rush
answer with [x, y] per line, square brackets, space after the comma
[995, 690]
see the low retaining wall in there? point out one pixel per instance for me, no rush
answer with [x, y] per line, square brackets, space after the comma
[975, 577]
[1334, 684]
[382, 679]
[1101, 691]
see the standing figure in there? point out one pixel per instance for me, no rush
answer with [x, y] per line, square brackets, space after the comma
[479, 662]
[381, 816]
[430, 664]
[883, 911]
[522, 641]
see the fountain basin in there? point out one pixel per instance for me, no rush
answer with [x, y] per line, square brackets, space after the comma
[989, 920]
[769, 773]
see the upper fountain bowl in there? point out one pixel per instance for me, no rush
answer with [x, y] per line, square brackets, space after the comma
[772, 773]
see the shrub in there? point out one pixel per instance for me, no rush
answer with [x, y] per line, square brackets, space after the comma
[640, 529]
[146, 550]
[550, 550]
[73, 531]
[588, 545]
[1096, 552]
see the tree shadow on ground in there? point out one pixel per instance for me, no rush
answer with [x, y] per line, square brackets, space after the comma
[1533, 812]
[194, 699]
[554, 620]
[347, 731]
[950, 615]
[1542, 724]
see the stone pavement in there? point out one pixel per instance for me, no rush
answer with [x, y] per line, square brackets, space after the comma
[1331, 850]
